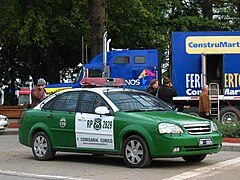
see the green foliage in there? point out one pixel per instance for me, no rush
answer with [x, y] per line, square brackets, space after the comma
[41, 37]
[229, 130]
[136, 24]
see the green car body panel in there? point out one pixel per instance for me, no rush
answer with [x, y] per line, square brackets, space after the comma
[144, 124]
[162, 145]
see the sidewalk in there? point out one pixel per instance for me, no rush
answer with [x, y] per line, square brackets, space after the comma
[226, 146]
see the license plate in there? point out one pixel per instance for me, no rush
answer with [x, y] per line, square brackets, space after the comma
[205, 141]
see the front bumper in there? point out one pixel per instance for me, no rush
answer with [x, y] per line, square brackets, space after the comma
[175, 145]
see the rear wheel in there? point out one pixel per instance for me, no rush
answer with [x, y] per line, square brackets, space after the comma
[195, 158]
[229, 114]
[135, 152]
[41, 147]
[192, 111]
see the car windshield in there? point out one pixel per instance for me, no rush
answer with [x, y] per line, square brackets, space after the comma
[132, 101]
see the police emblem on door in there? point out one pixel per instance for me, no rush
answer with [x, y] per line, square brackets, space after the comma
[62, 122]
[97, 124]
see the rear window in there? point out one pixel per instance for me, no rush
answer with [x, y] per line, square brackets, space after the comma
[64, 102]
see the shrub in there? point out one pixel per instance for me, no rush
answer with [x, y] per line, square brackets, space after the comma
[229, 130]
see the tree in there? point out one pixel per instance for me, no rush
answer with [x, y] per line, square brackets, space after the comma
[97, 17]
[136, 24]
[227, 13]
[45, 36]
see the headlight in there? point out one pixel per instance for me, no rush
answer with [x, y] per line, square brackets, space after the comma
[214, 126]
[169, 128]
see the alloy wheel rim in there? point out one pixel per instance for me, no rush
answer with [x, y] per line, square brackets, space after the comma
[134, 152]
[40, 146]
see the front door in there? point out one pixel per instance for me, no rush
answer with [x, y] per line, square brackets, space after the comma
[93, 131]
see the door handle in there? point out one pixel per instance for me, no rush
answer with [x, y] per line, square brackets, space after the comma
[50, 116]
[82, 119]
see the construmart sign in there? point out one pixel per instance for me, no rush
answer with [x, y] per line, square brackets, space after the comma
[213, 44]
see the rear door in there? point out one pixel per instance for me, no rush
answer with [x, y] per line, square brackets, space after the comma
[60, 119]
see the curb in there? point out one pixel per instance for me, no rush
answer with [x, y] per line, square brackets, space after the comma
[13, 125]
[231, 140]
[226, 146]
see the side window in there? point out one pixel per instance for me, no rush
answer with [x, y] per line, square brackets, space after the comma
[122, 60]
[66, 102]
[139, 59]
[99, 101]
[90, 101]
[87, 102]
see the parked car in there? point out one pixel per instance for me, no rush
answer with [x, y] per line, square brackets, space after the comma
[3, 122]
[117, 121]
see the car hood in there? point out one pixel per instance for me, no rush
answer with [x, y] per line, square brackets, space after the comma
[2, 116]
[168, 116]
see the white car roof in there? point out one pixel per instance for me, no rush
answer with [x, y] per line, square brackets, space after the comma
[98, 89]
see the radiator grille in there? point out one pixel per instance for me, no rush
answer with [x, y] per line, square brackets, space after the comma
[198, 128]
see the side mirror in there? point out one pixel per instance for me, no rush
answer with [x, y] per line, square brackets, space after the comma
[101, 110]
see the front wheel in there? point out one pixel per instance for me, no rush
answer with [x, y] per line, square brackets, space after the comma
[135, 152]
[41, 147]
[195, 158]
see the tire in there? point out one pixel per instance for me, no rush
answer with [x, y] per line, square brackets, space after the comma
[196, 158]
[192, 111]
[41, 147]
[136, 152]
[229, 112]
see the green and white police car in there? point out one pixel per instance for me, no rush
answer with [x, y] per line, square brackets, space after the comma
[116, 121]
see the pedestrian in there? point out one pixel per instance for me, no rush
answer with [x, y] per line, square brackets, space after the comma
[166, 92]
[13, 94]
[204, 103]
[39, 92]
[153, 86]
